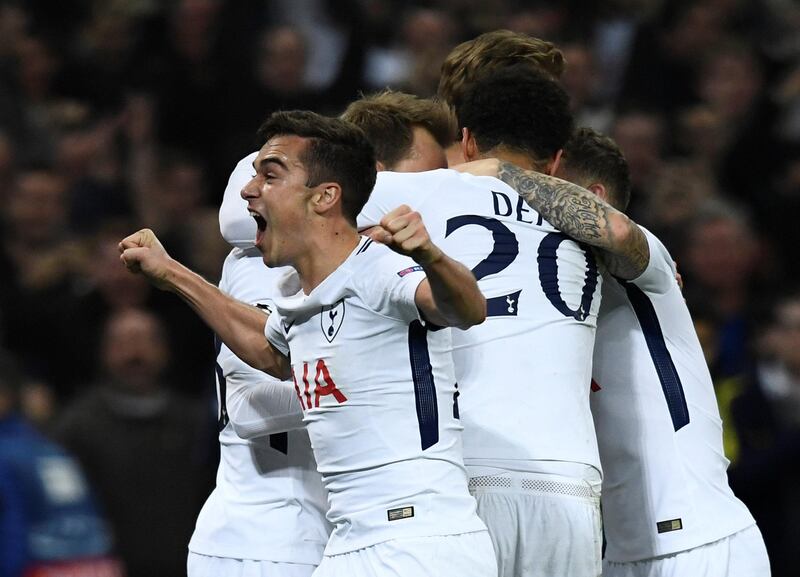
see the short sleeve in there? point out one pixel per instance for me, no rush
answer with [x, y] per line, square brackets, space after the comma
[659, 276]
[390, 288]
[275, 335]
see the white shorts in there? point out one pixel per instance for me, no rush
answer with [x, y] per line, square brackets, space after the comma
[743, 554]
[541, 525]
[207, 566]
[464, 555]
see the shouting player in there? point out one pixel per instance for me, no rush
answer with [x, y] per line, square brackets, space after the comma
[267, 513]
[375, 383]
[267, 507]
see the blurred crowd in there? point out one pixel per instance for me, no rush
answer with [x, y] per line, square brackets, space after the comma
[118, 114]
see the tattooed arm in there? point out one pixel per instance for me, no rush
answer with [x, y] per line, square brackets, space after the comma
[584, 216]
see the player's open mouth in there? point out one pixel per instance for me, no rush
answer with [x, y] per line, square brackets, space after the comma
[261, 223]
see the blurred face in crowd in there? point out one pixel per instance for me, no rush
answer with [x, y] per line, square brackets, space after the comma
[787, 331]
[701, 133]
[37, 208]
[676, 192]
[192, 22]
[730, 82]
[281, 64]
[37, 67]
[182, 189]
[134, 350]
[721, 254]
[579, 77]
[119, 289]
[639, 135]
[427, 31]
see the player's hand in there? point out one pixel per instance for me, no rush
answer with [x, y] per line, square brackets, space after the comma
[376, 232]
[483, 167]
[405, 233]
[678, 276]
[142, 253]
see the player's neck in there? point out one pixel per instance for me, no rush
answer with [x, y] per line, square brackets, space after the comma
[521, 159]
[325, 251]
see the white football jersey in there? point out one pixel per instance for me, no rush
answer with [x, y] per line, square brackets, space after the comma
[269, 503]
[665, 487]
[523, 372]
[379, 400]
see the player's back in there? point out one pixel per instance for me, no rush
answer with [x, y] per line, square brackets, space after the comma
[665, 486]
[269, 503]
[523, 372]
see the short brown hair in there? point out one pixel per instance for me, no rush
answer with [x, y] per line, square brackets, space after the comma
[492, 50]
[388, 119]
[337, 151]
[590, 156]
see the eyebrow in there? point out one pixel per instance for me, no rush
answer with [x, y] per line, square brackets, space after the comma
[270, 160]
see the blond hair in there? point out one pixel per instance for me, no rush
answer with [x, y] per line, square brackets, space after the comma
[492, 50]
[389, 117]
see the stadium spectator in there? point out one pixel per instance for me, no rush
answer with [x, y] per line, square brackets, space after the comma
[144, 448]
[767, 420]
[49, 521]
[719, 265]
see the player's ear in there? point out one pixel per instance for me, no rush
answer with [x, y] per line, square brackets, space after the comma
[468, 145]
[379, 166]
[552, 165]
[600, 190]
[326, 196]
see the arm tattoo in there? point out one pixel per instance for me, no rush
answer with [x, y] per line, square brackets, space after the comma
[584, 216]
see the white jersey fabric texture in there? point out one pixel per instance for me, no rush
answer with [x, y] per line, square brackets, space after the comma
[378, 395]
[206, 566]
[463, 555]
[269, 503]
[665, 486]
[742, 554]
[541, 525]
[523, 373]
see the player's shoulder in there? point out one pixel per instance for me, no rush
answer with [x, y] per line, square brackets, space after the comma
[659, 277]
[373, 262]
[440, 175]
[412, 183]
[370, 254]
[388, 176]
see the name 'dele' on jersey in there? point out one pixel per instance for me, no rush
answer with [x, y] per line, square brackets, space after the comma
[506, 248]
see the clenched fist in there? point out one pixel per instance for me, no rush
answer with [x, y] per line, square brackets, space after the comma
[405, 233]
[142, 253]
